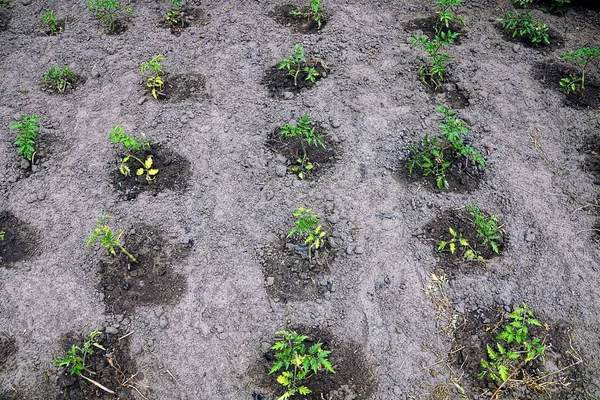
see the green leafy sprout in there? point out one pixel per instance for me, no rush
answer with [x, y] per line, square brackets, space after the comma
[155, 83]
[76, 357]
[523, 24]
[434, 156]
[50, 19]
[581, 57]
[306, 134]
[307, 227]
[315, 11]
[2, 233]
[456, 242]
[104, 237]
[434, 73]
[297, 363]
[3, 3]
[106, 10]
[446, 15]
[487, 227]
[59, 78]
[174, 17]
[514, 349]
[131, 144]
[29, 128]
[296, 63]
[522, 3]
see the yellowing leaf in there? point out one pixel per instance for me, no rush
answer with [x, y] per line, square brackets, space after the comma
[452, 248]
[148, 162]
[125, 170]
[140, 171]
[153, 172]
[282, 380]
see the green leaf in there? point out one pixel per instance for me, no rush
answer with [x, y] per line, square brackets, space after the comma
[303, 390]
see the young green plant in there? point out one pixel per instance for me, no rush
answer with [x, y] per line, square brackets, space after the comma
[76, 357]
[297, 363]
[307, 227]
[154, 83]
[296, 63]
[50, 19]
[59, 78]
[307, 136]
[456, 242]
[522, 3]
[434, 73]
[581, 57]
[106, 11]
[131, 144]
[104, 237]
[174, 17]
[515, 348]
[523, 24]
[435, 155]
[29, 129]
[314, 12]
[2, 233]
[3, 3]
[446, 14]
[487, 227]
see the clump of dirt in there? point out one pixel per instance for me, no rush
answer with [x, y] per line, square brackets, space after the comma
[299, 23]
[190, 16]
[561, 376]
[291, 275]
[173, 173]
[550, 73]
[461, 221]
[112, 368]
[279, 81]
[151, 280]
[20, 240]
[291, 148]
[353, 378]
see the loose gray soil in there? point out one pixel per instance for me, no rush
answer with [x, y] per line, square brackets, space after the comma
[203, 303]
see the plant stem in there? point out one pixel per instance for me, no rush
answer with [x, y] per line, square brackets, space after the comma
[128, 254]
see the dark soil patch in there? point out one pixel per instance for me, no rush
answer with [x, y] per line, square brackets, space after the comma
[8, 348]
[556, 40]
[190, 16]
[591, 148]
[462, 176]
[291, 149]
[282, 15]
[19, 242]
[353, 378]
[427, 25]
[290, 275]
[45, 147]
[279, 81]
[4, 19]
[152, 280]
[482, 327]
[173, 173]
[550, 74]
[112, 377]
[453, 97]
[120, 27]
[182, 87]
[461, 221]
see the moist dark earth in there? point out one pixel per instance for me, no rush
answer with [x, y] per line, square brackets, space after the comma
[196, 316]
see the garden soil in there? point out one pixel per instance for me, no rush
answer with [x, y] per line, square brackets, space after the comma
[195, 317]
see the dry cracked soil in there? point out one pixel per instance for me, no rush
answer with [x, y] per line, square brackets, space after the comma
[215, 276]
